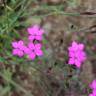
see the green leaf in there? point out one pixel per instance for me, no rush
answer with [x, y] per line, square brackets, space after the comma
[5, 90]
[73, 3]
[8, 74]
[45, 41]
[2, 59]
[13, 1]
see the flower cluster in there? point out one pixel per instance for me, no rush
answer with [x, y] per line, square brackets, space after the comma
[76, 54]
[93, 87]
[31, 49]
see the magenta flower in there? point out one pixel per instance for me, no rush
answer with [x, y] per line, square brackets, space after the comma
[94, 92]
[18, 48]
[35, 33]
[76, 54]
[93, 84]
[91, 95]
[33, 50]
[93, 87]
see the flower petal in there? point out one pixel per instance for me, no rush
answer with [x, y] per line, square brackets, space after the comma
[93, 84]
[37, 37]
[15, 51]
[40, 32]
[31, 37]
[71, 54]
[20, 43]
[81, 46]
[14, 44]
[80, 55]
[20, 53]
[77, 63]
[39, 52]
[27, 50]
[91, 94]
[74, 45]
[32, 30]
[31, 46]
[38, 46]
[71, 61]
[32, 55]
[94, 91]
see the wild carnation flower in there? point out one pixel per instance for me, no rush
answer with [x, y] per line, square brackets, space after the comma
[35, 32]
[93, 87]
[33, 50]
[94, 92]
[91, 95]
[76, 54]
[93, 84]
[18, 48]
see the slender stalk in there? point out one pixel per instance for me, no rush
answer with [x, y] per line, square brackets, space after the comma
[17, 85]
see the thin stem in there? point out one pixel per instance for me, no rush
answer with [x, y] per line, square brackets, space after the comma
[17, 85]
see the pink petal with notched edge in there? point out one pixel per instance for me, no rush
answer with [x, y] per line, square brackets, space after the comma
[14, 44]
[20, 53]
[22, 47]
[38, 46]
[93, 84]
[32, 55]
[81, 46]
[77, 63]
[70, 49]
[71, 54]
[32, 30]
[71, 61]
[31, 46]
[40, 32]
[15, 51]
[27, 50]
[31, 37]
[80, 55]
[74, 45]
[94, 92]
[39, 52]
[37, 37]
[20, 43]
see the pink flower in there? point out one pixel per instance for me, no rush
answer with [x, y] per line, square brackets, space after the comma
[18, 44]
[33, 50]
[18, 52]
[76, 54]
[93, 87]
[94, 92]
[18, 48]
[35, 33]
[93, 84]
[91, 94]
